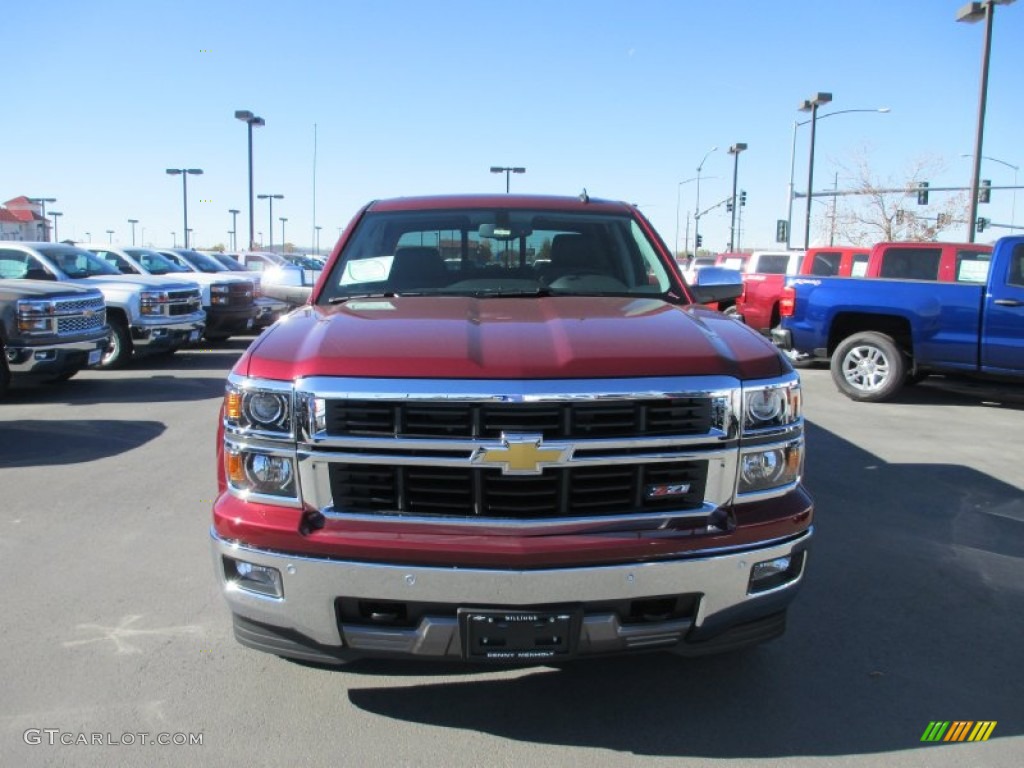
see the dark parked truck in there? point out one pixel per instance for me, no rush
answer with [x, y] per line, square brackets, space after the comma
[504, 430]
[881, 334]
[49, 331]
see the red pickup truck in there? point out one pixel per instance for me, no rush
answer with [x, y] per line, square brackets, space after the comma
[941, 262]
[764, 276]
[504, 429]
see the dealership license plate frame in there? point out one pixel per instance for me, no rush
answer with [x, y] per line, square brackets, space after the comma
[519, 635]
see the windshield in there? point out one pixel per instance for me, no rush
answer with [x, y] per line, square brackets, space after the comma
[77, 262]
[497, 253]
[202, 262]
[154, 263]
[230, 262]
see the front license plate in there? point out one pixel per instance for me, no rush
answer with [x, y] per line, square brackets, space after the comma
[193, 335]
[510, 635]
[94, 356]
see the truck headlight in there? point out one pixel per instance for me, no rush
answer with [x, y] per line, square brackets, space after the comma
[263, 409]
[771, 406]
[35, 317]
[259, 472]
[764, 469]
[153, 302]
[220, 293]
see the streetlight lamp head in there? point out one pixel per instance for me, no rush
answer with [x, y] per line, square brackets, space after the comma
[496, 169]
[173, 171]
[884, 109]
[518, 170]
[194, 171]
[736, 148]
[257, 121]
[244, 114]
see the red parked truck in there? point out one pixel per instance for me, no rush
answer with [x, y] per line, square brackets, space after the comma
[764, 276]
[503, 429]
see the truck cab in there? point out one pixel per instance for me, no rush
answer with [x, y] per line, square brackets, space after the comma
[940, 262]
[835, 261]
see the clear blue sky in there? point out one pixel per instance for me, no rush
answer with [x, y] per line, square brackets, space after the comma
[623, 98]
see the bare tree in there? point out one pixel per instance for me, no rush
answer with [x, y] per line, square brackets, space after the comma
[875, 215]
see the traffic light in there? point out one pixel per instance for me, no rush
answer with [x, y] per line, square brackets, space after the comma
[743, 197]
[781, 230]
[922, 193]
[700, 240]
[985, 191]
[982, 223]
[728, 205]
[900, 216]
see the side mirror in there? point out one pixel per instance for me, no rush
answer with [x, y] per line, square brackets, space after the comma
[296, 295]
[713, 284]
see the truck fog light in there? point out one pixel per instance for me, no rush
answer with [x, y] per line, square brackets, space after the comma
[46, 355]
[261, 579]
[769, 574]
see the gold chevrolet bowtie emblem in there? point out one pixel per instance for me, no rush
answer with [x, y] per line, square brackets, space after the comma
[521, 455]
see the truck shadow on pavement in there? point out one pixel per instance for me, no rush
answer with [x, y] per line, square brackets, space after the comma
[129, 387]
[912, 611]
[34, 443]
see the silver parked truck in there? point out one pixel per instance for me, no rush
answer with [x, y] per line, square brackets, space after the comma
[146, 314]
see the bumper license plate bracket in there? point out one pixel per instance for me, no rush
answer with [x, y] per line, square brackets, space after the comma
[514, 635]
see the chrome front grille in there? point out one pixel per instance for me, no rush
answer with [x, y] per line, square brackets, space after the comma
[77, 316]
[241, 294]
[184, 302]
[603, 452]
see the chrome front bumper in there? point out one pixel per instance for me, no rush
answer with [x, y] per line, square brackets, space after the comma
[159, 334]
[311, 587]
[58, 357]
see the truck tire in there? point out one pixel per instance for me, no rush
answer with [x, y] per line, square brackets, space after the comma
[119, 351]
[868, 367]
[5, 371]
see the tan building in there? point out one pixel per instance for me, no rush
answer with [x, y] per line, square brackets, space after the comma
[22, 219]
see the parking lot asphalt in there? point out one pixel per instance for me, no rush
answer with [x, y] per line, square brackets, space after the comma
[912, 609]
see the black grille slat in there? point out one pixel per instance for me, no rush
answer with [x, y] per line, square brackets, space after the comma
[554, 421]
[487, 493]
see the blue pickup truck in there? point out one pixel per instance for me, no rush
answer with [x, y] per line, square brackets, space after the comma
[881, 334]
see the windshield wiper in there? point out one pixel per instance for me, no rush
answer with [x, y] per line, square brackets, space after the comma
[368, 295]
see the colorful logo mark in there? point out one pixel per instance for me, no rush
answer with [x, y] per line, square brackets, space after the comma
[958, 730]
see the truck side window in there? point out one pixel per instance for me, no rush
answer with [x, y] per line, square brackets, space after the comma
[826, 264]
[972, 266]
[859, 268]
[1016, 275]
[911, 263]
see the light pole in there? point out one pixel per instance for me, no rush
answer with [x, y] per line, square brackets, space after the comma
[184, 172]
[234, 228]
[508, 170]
[55, 214]
[110, 235]
[317, 229]
[188, 237]
[696, 207]
[792, 163]
[971, 13]
[251, 120]
[174, 239]
[1013, 207]
[271, 199]
[734, 150]
[811, 105]
[43, 201]
[133, 222]
[283, 239]
[679, 189]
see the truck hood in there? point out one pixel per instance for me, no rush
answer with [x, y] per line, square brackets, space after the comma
[27, 289]
[509, 338]
[142, 282]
